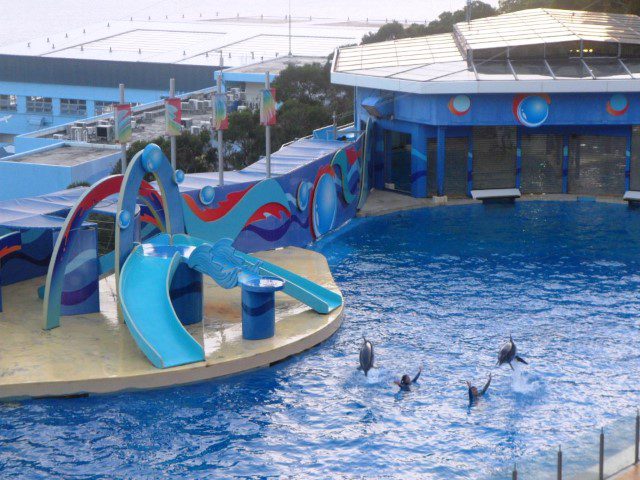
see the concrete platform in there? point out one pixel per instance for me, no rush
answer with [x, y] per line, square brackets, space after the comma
[96, 354]
[383, 202]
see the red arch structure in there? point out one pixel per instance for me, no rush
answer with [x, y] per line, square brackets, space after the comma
[77, 215]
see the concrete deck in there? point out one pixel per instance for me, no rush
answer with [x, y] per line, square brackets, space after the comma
[96, 354]
[383, 202]
[631, 473]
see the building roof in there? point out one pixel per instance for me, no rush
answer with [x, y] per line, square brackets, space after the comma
[239, 41]
[539, 49]
[547, 25]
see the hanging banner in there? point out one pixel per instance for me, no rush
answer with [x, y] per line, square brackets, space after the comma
[123, 123]
[268, 107]
[173, 116]
[220, 118]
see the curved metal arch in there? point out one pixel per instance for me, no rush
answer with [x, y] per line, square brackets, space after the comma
[158, 164]
[75, 218]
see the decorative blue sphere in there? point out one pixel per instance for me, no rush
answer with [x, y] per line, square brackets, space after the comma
[325, 205]
[151, 157]
[124, 219]
[207, 194]
[533, 111]
[304, 190]
[178, 177]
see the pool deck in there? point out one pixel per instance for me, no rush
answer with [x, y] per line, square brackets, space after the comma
[631, 473]
[383, 202]
[96, 354]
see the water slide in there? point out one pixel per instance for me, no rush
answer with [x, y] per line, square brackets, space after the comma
[319, 298]
[144, 296]
[145, 281]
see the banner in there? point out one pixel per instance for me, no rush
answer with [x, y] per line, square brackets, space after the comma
[268, 107]
[123, 123]
[220, 118]
[173, 116]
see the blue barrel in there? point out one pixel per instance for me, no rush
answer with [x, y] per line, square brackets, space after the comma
[258, 306]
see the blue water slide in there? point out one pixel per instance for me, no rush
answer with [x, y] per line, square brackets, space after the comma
[144, 285]
[319, 298]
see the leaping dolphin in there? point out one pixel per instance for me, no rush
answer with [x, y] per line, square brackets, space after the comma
[366, 356]
[508, 353]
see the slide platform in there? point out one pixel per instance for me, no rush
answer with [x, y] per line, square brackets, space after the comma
[144, 296]
[145, 283]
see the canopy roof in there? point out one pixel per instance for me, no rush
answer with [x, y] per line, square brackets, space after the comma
[529, 50]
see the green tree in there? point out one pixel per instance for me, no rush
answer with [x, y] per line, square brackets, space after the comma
[193, 152]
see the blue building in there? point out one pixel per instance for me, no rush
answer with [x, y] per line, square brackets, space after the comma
[74, 75]
[541, 100]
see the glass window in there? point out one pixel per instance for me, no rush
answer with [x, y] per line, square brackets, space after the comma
[39, 105]
[563, 50]
[9, 103]
[569, 68]
[599, 49]
[531, 69]
[494, 70]
[103, 107]
[74, 107]
[606, 67]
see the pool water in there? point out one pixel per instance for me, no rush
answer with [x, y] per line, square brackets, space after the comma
[440, 287]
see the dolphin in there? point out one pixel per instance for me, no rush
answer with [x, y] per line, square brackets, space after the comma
[366, 356]
[508, 353]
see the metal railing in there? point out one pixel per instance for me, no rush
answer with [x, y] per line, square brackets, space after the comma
[617, 451]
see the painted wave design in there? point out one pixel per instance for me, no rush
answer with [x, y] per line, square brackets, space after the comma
[238, 210]
[76, 297]
[275, 234]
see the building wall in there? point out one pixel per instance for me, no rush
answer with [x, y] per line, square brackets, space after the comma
[586, 138]
[22, 179]
[20, 120]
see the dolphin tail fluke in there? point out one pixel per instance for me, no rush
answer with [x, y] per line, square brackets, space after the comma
[521, 360]
[366, 373]
[511, 366]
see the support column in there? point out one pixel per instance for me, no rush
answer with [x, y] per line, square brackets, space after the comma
[627, 167]
[379, 158]
[440, 165]
[418, 163]
[470, 165]
[565, 163]
[518, 156]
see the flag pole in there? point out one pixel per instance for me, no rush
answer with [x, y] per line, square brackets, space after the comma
[267, 129]
[220, 144]
[123, 146]
[172, 92]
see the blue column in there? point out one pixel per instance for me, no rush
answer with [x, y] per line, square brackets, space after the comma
[565, 163]
[470, 165]
[379, 157]
[419, 162]
[627, 167]
[21, 101]
[518, 156]
[441, 138]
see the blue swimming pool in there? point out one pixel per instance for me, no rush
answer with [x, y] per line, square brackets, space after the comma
[441, 287]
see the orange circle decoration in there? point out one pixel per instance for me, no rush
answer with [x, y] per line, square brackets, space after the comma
[459, 105]
[617, 105]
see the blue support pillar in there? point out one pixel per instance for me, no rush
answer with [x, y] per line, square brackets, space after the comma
[441, 159]
[627, 167]
[518, 156]
[379, 158]
[418, 162]
[565, 163]
[470, 166]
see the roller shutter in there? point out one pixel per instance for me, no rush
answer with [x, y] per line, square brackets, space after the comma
[494, 157]
[634, 181]
[455, 171]
[596, 165]
[541, 164]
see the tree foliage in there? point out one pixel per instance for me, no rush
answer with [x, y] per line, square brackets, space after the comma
[307, 101]
[193, 152]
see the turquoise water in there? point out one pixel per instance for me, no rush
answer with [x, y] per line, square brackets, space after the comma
[442, 288]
